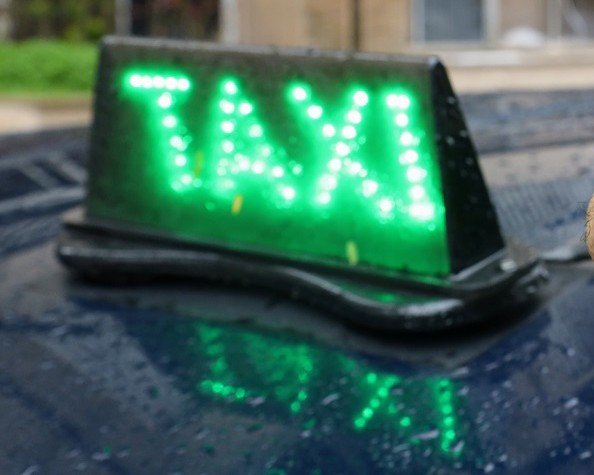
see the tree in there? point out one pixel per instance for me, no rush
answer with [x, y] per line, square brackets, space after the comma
[68, 19]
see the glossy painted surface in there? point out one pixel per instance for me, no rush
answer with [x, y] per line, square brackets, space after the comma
[185, 377]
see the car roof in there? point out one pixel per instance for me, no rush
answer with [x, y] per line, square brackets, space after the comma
[179, 376]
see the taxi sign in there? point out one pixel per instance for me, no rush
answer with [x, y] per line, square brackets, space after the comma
[353, 164]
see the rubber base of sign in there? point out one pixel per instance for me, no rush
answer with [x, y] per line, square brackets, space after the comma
[101, 254]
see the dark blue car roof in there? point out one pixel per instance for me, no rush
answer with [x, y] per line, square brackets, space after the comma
[188, 377]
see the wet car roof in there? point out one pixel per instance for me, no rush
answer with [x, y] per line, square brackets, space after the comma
[188, 377]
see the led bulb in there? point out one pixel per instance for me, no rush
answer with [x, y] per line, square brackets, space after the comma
[288, 193]
[136, 80]
[147, 82]
[299, 93]
[401, 120]
[245, 108]
[417, 192]
[324, 198]
[230, 87]
[266, 150]
[159, 82]
[228, 146]
[256, 131]
[409, 157]
[369, 188]
[277, 172]
[258, 167]
[386, 205]
[227, 106]
[227, 126]
[328, 182]
[398, 101]
[171, 83]
[354, 116]
[314, 111]
[183, 84]
[177, 142]
[349, 132]
[355, 168]
[415, 174]
[423, 212]
[165, 101]
[243, 162]
[342, 149]
[360, 98]
[407, 139]
[328, 130]
[169, 121]
[335, 164]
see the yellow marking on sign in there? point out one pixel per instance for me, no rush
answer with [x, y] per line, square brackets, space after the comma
[237, 204]
[352, 253]
[198, 163]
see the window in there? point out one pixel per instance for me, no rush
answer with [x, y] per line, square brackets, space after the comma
[451, 20]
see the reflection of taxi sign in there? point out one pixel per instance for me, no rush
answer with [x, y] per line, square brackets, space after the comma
[358, 166]
[291, 376]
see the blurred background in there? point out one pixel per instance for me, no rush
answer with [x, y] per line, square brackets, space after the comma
[48, 47]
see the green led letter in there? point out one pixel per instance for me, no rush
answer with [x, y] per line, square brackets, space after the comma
[163, 94]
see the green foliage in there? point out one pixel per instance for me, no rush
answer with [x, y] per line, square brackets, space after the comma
[47, 66]
[82, 20]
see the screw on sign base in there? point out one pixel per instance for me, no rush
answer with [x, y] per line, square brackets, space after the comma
[590, 227]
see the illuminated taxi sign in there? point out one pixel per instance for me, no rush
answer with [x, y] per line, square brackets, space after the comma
[331, 160]
[339, 177]
[355, 167]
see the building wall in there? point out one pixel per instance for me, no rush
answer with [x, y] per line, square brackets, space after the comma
[524, 13]
[320, 23]
[329, 23]
[385, 25]
[279, 22]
